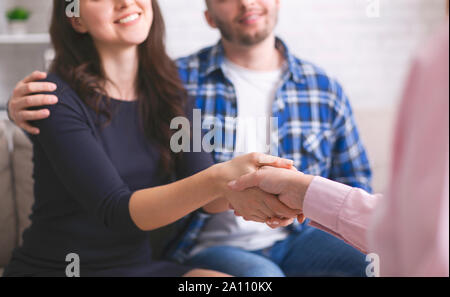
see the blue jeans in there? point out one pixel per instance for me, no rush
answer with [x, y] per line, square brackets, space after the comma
[310, 252]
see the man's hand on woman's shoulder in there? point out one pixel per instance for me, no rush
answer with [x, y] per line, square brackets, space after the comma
[26, 94]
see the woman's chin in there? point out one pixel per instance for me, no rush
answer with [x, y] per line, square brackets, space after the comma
[129, 42]
[135, 39]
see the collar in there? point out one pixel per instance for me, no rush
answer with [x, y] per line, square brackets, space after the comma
[216, 57]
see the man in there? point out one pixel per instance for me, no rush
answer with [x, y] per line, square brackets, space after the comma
[251, 75]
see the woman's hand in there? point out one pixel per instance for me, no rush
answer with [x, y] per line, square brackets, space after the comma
[252, 204]
[249, 163]
[289, 185]
[275, 223]
[259, 206]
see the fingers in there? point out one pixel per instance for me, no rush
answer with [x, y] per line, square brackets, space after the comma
[267, 211]
[22, 117]
[280, 209]
[249, 180]
[255, 219]
[272, 221]
[256, 215]
[36, 75]
[32, 115]
[267, 160]
[293, 168]
[277, 222]
[35, 100]
[260, 218]
[264, 208]
[23, 98]
[24, 89]
[275, 212]
[30, 129]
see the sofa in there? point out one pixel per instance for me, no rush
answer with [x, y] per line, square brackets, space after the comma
[16, 188]
[16, 182]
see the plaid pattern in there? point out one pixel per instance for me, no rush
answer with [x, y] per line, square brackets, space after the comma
[316, 127]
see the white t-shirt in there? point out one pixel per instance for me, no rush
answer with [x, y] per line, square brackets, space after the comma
[255, 91]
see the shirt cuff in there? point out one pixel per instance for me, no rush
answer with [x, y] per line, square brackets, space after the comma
[324, 200]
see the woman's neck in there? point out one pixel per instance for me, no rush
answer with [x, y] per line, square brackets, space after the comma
[120, 66]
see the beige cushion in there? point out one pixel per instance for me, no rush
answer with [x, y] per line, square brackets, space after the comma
[23, 180]
[8, 231]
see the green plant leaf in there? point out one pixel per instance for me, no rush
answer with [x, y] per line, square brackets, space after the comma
[18, 14]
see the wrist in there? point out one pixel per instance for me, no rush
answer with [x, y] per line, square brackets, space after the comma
[218, 180]
[302, 181]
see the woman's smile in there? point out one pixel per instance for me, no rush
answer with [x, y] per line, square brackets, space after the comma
[129, 19]
[112, 23]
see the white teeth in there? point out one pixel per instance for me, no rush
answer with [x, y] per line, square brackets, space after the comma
[129, 18]
[251, 18]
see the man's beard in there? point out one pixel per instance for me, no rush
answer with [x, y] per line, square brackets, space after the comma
[243, 38]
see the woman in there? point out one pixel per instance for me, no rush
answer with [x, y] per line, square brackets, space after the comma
[102, 159]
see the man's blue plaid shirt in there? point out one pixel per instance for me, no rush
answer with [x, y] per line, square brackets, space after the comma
[316, 127]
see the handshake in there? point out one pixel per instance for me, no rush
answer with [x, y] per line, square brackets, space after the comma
[271, 192]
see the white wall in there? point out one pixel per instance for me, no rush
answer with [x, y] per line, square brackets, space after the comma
[369, 56]
[18, 60]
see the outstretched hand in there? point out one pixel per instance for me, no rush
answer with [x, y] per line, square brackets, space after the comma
[252, 204]
[289, 185]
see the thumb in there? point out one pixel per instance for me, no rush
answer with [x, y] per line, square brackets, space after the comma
[268, 160]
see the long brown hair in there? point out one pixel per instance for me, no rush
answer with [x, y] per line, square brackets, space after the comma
[161, 94]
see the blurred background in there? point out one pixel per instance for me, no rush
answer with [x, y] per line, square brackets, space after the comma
[366, 44]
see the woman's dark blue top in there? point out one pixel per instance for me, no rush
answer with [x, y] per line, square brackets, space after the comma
[84, 178]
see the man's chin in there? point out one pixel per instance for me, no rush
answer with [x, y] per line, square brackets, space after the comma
[253, 39]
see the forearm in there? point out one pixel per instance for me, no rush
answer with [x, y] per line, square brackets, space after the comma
[159, 206]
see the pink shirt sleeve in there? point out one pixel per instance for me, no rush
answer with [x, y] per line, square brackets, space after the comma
[340, 210]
